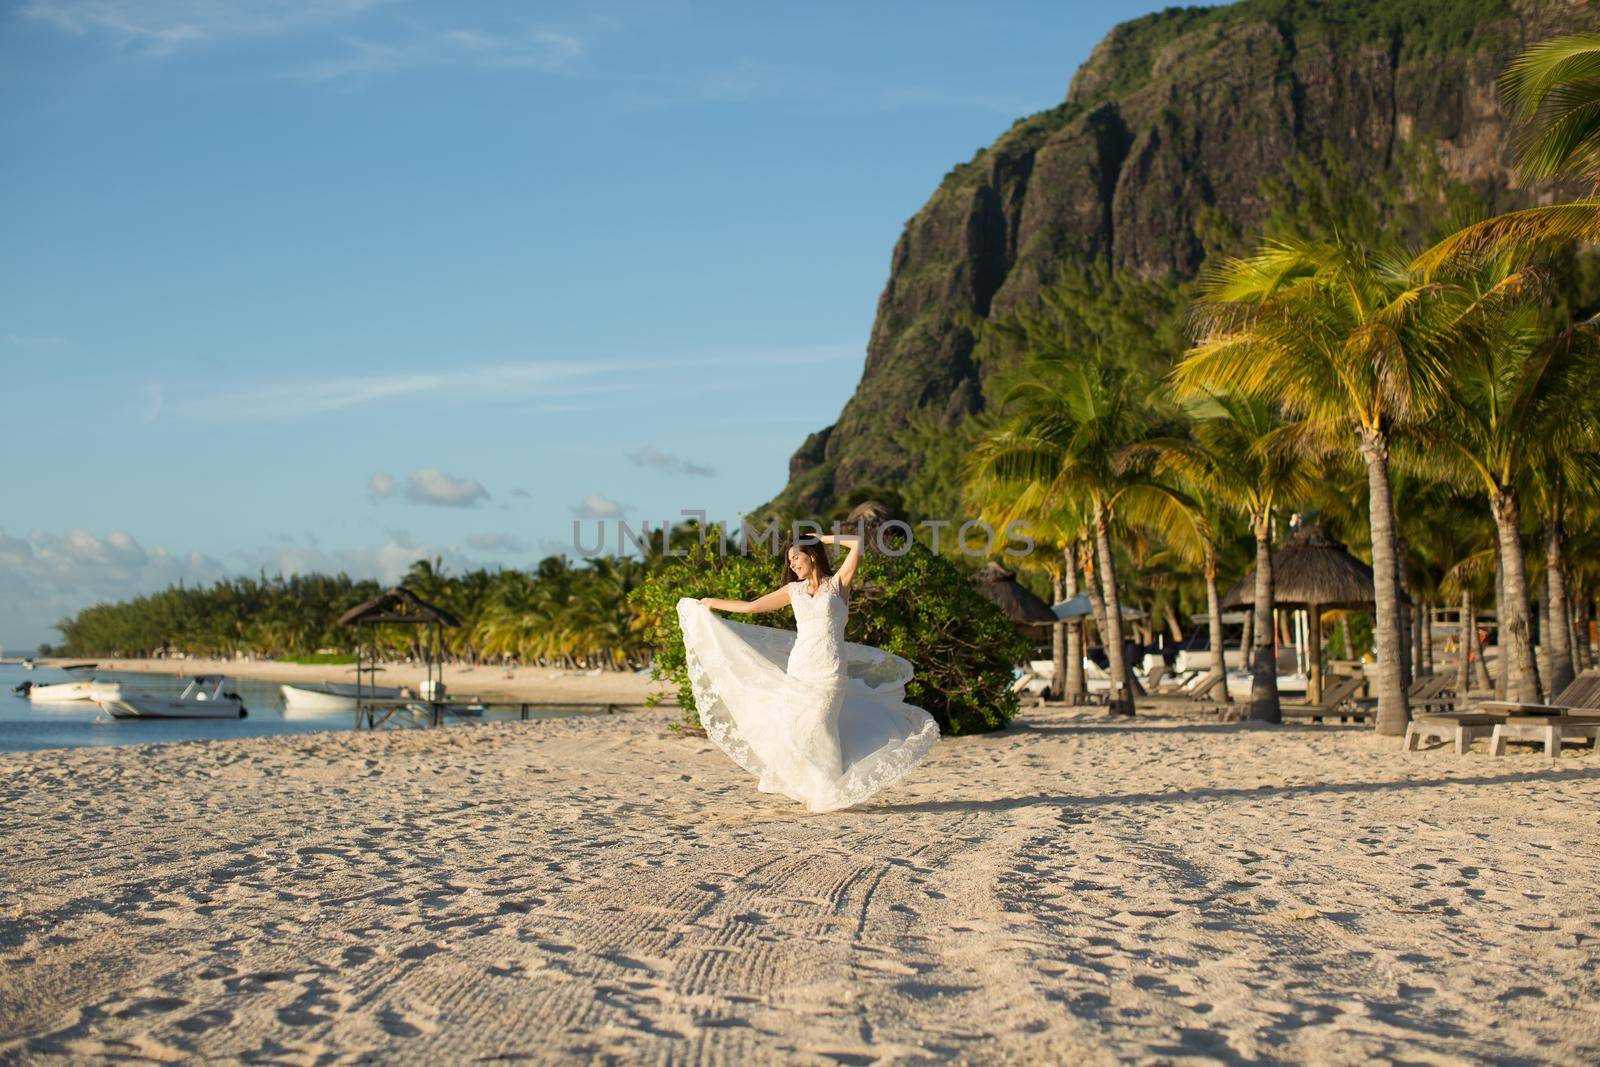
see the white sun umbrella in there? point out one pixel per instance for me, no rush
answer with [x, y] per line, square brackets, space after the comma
[1079, 607]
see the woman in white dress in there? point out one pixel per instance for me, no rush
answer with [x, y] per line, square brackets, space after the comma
[815, 717]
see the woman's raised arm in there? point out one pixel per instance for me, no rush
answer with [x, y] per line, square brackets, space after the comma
[771, 602]
[847, 570]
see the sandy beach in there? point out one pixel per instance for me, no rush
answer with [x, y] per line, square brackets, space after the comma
[1071, 890]
[523, 683]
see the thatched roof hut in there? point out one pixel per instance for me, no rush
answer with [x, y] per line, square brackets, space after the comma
[1315, 572]
[999, 584]
[398, 605]
[1311, 569]
[869, 513]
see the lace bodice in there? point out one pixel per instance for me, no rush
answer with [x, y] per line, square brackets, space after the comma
[819, 623]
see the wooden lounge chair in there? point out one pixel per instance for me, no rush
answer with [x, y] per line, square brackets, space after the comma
[1430, 691]
[1198, 696]
[1549, 730]
[1460, 730]
[1573, 715]
[1581, 695]
[1338, 698]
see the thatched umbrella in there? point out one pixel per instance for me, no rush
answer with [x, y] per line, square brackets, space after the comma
[403, 607]
[868, 518]
[1315, 572]
[1000, 585]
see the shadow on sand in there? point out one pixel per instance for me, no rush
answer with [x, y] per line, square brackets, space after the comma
[1178, 796]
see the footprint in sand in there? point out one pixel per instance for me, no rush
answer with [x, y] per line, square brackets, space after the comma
[202, 1021]
[401, 1024]
[420, 952]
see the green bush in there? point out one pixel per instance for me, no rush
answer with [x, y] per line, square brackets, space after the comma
[917, 605]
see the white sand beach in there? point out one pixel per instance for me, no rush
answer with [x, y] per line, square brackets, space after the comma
[1073, 890]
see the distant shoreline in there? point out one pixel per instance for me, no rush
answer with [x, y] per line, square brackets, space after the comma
[525, 683]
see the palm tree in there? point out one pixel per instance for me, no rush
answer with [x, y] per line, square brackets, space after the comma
[1553, 89]
[1066, 420]
[1350, 342]
[1241, 454]
[1518, 407]
[1054, 525]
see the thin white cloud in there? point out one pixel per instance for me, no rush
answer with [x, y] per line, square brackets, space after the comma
[365, 58]
[159, 28]
[652, 457]
[494, 542]
[598, 506]
[748, 81]
[430, 486]
[498, 381]
[358, 43]
[519, 491]
[381, 486]
[33, 341]
[552, 385]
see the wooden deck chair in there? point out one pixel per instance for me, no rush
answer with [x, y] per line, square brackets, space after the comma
[1581, 695]
[1338, 698]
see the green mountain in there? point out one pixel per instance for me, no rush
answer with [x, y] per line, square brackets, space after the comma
[1155, 160]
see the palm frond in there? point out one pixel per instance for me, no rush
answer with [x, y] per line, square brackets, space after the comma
[1521, 233]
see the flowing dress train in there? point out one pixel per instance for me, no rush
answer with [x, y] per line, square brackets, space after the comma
[814, 717]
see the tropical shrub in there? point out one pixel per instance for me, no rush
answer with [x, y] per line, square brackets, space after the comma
[918, 605]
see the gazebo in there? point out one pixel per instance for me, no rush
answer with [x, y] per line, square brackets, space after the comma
[403, 607]
[999, 584]
[1315, 572]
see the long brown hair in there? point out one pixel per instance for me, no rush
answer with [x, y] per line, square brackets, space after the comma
[819, 559]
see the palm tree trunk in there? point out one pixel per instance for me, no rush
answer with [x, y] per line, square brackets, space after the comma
[1469, 632]
[1264, 706]
[1408, 627]
[1247, 640]
[1500, 673]
[1074, 689]
[1058, 642]
[1522, 673]
[1346, 638]
[1394, 711]
[1219, 662]
[1097, 601]
[1582, 653]
[1558, 636]
[1121, 692]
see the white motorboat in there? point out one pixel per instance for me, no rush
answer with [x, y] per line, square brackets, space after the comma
[56, 692]
[203, 698]
[327, 698]
[64, 692]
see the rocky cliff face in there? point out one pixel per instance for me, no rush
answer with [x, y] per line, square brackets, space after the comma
[1168, 129]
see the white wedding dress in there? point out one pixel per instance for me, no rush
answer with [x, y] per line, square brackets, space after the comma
[815, 717]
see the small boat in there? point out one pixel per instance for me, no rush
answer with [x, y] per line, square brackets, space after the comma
[203, 698]
[27, 664]
[55, 692]
[63, 692]
[325, 698]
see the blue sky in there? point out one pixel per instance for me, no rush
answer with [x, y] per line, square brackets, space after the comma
[333, 284]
